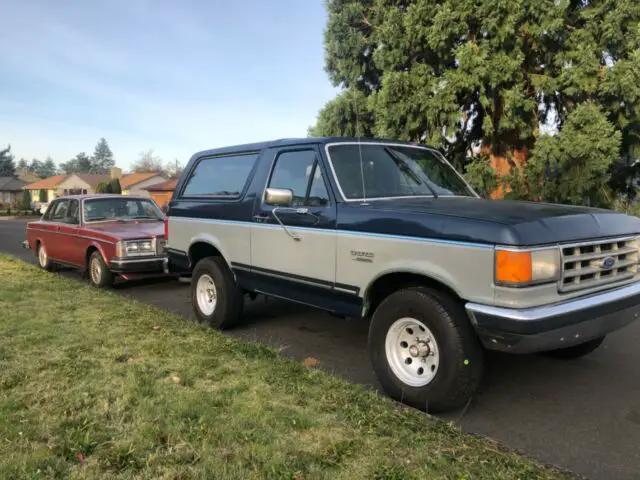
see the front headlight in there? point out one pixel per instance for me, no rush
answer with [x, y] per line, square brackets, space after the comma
[135, 248]
[521, 268]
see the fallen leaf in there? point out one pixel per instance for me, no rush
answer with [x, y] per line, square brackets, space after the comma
[155, 327]
[310, 362]
[106, 406]
[175, 378]
[80, 457]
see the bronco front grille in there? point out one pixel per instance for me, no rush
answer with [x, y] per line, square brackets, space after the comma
[594, 264]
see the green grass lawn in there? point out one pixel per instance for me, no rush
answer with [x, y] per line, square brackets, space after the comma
[96, 386]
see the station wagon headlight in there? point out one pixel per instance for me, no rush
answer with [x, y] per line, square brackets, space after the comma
[134, 248]
[520, 268]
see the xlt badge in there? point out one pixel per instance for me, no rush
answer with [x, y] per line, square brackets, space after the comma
[362, 256]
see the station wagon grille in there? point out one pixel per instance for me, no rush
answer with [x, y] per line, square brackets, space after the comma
[593, 264]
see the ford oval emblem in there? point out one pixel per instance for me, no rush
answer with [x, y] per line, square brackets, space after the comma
[608, 263]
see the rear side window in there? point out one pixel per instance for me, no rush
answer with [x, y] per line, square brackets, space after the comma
[220, 176]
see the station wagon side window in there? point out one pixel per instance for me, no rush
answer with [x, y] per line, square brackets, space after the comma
[73, 212]
[300, 172]
[58, 212]
[223, 176]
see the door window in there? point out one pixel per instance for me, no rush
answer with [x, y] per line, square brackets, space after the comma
[72, 213]
[300, 172]
[58, 211]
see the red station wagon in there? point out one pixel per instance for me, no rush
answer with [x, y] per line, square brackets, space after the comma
[104, 236]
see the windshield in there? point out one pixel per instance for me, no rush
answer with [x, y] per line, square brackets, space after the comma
[101, 209]
[394, 171]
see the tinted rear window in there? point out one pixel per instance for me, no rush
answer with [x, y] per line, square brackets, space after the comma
[220, 176]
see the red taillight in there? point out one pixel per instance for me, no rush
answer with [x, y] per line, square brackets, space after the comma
[166, 228]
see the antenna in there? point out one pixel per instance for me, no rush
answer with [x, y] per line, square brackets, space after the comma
[364, 190]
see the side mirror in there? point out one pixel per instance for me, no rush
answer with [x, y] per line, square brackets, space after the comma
[279, 197]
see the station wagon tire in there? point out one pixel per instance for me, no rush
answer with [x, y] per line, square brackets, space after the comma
[217, 300]
[44, 262]
[576, 351]
[98, 272]
[451, 361]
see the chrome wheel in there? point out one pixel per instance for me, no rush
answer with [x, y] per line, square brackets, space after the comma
[95, 270]
[42, 256]
[412, 352]
[206, 295]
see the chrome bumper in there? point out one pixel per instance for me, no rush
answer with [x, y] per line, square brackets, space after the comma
[555, 326]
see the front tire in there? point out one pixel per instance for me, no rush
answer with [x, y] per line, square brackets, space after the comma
[217, 301]
[576, 351]
[44, 262]
[424, 350]
[99, 275]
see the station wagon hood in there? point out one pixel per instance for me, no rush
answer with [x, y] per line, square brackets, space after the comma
[129, 230]
[507, 222]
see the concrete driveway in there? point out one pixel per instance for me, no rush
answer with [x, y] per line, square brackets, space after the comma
[583, 415]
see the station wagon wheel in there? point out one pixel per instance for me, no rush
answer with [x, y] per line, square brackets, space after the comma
[216, 299]
[424, 350]
[43, 258]
[99, 274]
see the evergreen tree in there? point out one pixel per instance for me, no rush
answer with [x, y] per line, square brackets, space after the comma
[81, 163]
[25, 200]
[7, 165]
[102, 160]
[48, 168]
[102, 187]
[486, 76]
[115, 186]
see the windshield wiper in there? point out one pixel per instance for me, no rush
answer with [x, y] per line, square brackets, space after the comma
[136, 217]
[405, 168]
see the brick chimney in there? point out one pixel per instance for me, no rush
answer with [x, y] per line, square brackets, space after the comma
[116, 173]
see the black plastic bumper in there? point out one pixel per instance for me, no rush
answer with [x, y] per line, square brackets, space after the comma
[555, 326]
[137, 265]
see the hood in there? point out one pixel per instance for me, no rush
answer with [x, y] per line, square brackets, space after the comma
[129, 230]
[499, 221]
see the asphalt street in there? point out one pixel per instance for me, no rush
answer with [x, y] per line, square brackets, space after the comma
[583, 415]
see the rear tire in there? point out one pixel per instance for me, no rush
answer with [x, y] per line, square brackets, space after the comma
[217, 300]
[424, 350]
[99, 274]
[44, 262]
[576, 351]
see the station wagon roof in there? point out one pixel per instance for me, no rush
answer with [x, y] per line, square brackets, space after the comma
[95, 196]
[284, 142]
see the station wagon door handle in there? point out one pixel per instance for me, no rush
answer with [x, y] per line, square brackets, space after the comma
[261, 216]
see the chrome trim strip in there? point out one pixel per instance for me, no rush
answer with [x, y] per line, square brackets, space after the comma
[548, 311]
[73, 235]
[126, 261]
[389, 144]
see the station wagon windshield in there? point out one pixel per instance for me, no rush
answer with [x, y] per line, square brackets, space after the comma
[393, 171]
[120, 209]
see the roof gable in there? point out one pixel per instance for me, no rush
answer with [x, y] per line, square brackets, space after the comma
[130, 179]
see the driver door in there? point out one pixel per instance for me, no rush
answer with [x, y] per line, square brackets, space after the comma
[296, 245]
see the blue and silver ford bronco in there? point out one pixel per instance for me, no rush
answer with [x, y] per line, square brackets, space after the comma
[390, 232]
